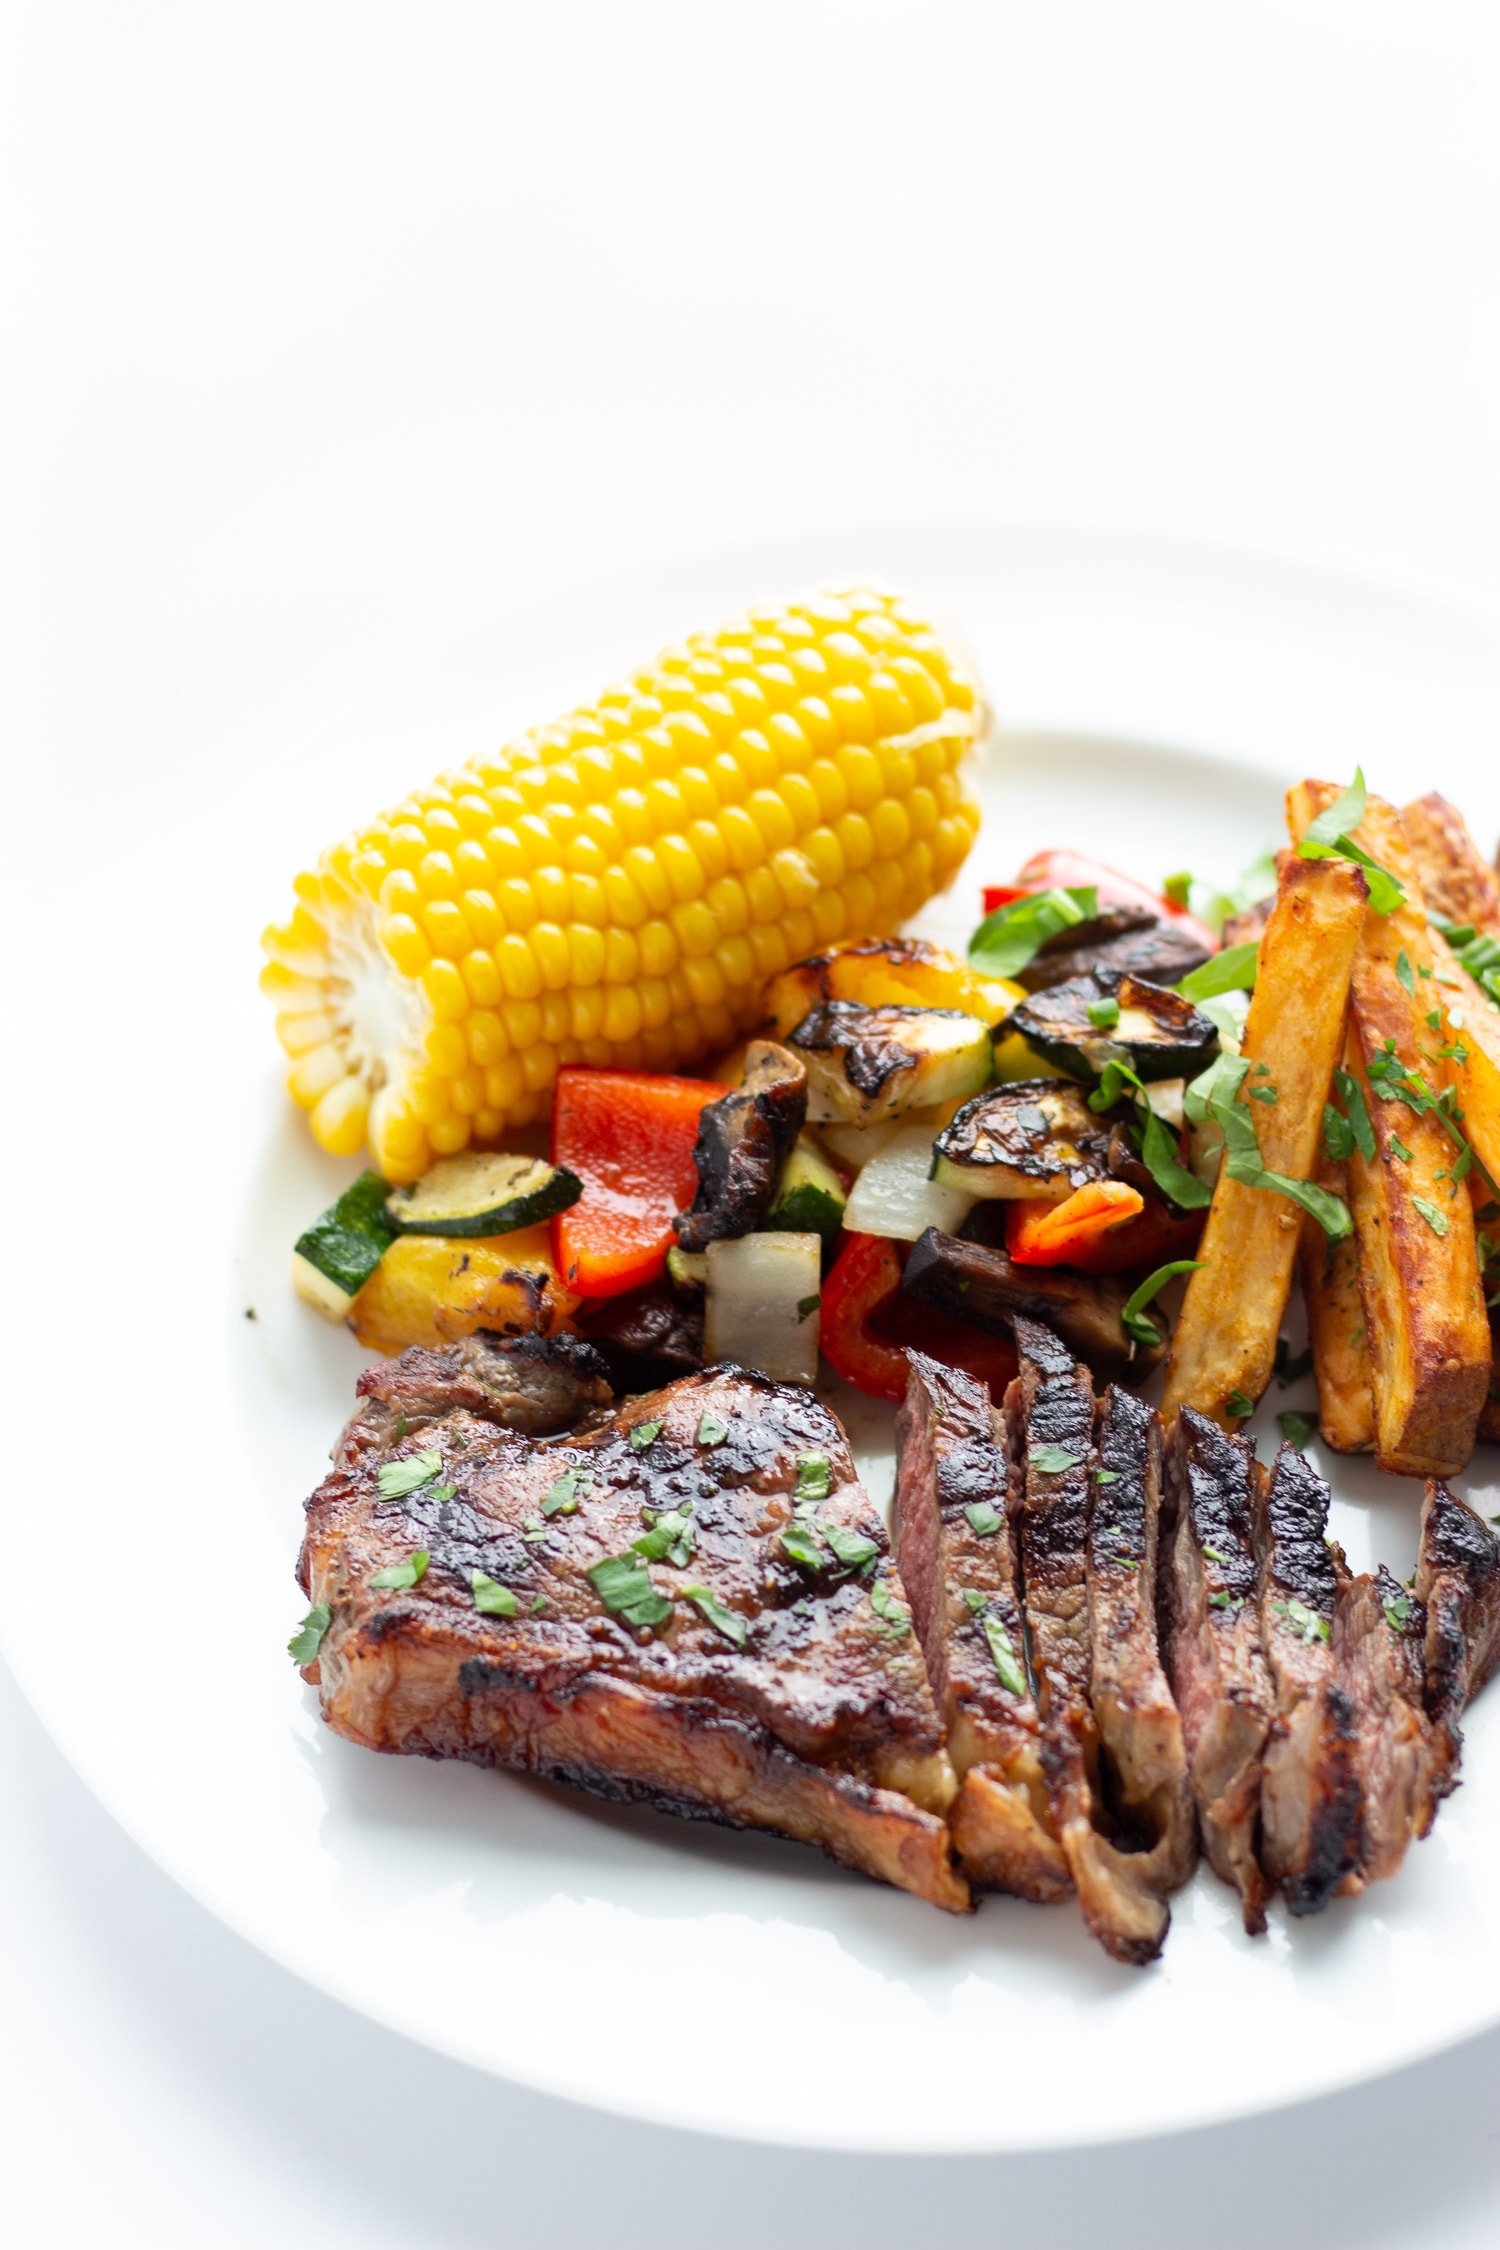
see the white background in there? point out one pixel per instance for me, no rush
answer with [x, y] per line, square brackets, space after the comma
[322, 328]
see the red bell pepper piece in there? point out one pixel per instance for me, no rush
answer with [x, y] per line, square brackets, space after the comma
[1063, 1234]
[629, 1136]
[1153, 1238]
[1072, 871]
[867, 1320]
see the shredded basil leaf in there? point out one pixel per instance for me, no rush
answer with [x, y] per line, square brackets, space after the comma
[672, 1538]
[398, 1478]
[1133, 1317]
[408, 1573]
[850, 1547]
[1013, 935]
[1436, 1219]
[624, 1586]
[723, 1620]
[802, 1543]
[561, 1497]
[308, 1638]
[1233, 970]
[1003, 1654]
[814, 1477]
[492, 1598]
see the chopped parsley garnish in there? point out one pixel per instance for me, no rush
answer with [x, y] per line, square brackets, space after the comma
[1356, 1110]
[885, 1605]
[495, 1600]
[408, 1573]
[1220, 1601]
[725, 1621]
[1238, 1407]
[1107, 1476]
[1436, 1219]
[806, 1305]
[1397, 1611]
[308, 1638]
[532, 1530]
[1214, 1555]
[711, 1431]
[1002, 1650]
[562, 1496]
[975, 1600]
[398, 1478]
[1104, 1014]
[624, 1586]
[801, 1542]
[1304, 1622]
[1014, 934]
[851, 1548]
[1133, 1316]
[1434, 1020]
[644, 1434]
[1405, 974]
[1265, 1094]
[983, 1520]
[538, 1601]
[1399, 1148]
[1052, 1460]
[814, 1477]
[1297, 1427]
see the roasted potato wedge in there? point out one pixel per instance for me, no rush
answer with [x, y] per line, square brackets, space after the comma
[1456, 880]
[1224, 1345]
[1336, 1329]
[1418, 1264]
[430, 1290]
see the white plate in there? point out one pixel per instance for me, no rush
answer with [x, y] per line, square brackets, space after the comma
[162, 1442]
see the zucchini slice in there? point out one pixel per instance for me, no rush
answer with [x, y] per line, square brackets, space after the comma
[1036, 1138]
[809, 1196]
[470, 1195]
[334, 1259]
[687, 1270]
[866, 1066]
[1110, 1016]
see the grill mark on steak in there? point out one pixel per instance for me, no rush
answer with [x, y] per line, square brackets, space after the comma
[1310, 1811]
[821, 1727]
[1458, 1582]
[1378, 1634]
[951, 1457]
[1144, 1758]
[1051, 1404]
[1214, 1657]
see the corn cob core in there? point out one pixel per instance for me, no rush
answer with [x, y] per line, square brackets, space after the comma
[617, 889]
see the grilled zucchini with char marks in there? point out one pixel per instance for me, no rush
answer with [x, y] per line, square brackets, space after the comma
[1109, 1016]
[1036, 1138]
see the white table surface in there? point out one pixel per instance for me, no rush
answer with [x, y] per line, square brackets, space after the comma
[322, 325]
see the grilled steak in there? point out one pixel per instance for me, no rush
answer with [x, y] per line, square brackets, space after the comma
[1214, 1657]
[534, 1384]
[954, 1546]
[1378, 1631]
[1309, 1794]
[1050, 1410]
[1458, 1583]
[1145, 1761]
[692, 1605]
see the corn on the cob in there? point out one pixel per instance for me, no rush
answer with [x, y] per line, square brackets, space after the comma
[618, 888]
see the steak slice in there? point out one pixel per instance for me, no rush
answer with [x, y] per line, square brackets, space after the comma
[705, 1617]
[1214, 1657]
[534, 1384]
[1458, 1583]
[1145, 1759]
[1309, 1792]
[1378, 1634]
[1050, 1409]
[955, 1550]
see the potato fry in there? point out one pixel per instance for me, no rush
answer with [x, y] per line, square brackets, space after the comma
[1225, 1340]
[1418, 1265]
[1456, 881]
[1336, 1329]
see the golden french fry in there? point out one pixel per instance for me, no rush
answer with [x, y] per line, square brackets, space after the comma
[1336, 1329]
[1225, 1341]
[1424, 1307]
